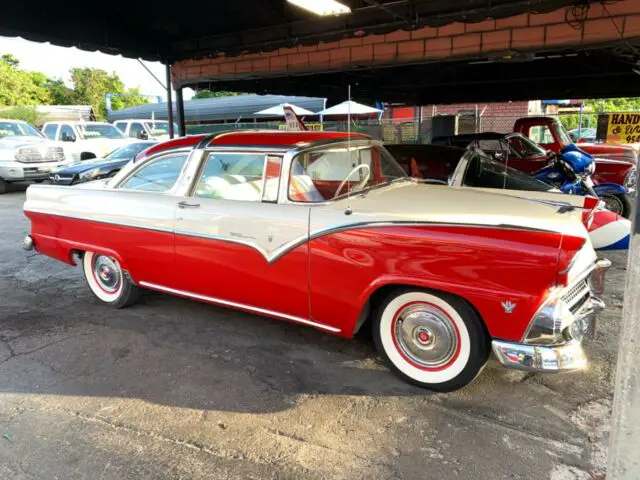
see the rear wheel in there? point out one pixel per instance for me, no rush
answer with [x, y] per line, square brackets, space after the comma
[618, 204]
[108, 281]
[433, 340]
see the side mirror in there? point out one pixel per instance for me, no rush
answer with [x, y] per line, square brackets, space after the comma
[68, 138]
[143, 135]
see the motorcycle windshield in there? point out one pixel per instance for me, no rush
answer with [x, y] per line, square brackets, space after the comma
[484, 172]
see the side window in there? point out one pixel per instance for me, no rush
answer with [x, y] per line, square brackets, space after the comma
[50, 131]
[541, 134]
[250, 177]
[136, 129]
[67, 134]
[158, 175]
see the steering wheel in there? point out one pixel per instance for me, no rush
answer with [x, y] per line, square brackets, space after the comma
[360, 184]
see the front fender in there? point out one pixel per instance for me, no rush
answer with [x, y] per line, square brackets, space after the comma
[610, 189]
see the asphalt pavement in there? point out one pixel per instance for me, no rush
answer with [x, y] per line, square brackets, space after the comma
[172, 388]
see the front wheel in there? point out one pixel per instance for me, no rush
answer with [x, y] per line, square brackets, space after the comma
[433, 340]
[108, 281]
[618, 204]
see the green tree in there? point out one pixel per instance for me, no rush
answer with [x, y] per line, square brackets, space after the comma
[90, 85]
[214, 94]
[18, 87]
[22, 112]
[60, 93]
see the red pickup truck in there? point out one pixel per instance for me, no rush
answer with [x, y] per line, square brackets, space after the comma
[614, 163]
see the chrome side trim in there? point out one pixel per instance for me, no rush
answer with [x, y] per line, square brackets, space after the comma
[107, 222]
[296, 242]
[240, 306]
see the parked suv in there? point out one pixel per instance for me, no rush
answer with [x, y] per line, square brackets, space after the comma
[146, 129]
[87, 139]
[26, 154]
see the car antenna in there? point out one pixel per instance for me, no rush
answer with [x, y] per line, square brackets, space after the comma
[349, 136]
[506, 165]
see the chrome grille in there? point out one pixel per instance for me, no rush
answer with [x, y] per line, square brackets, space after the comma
[34, 155]
[574, 297]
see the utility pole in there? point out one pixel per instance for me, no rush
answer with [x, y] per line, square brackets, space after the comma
[169, 100]
[624, 442]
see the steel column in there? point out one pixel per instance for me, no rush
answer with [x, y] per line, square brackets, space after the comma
[169, 102]
[180, 112]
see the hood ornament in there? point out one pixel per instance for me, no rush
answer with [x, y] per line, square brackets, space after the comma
[508, 306]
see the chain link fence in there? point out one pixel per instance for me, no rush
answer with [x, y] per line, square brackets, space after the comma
[408, 131]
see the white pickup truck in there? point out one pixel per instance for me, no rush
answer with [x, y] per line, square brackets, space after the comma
[146, 129]
[26, 154]
[87, 139]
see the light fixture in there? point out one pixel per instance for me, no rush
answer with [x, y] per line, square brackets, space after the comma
[322, 7]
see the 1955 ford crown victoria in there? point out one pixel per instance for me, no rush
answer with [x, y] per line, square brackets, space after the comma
[326, 230]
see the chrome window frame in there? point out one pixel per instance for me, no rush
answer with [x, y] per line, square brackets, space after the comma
[117, 185]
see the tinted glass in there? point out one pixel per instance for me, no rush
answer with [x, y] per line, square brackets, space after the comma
[160, 127]
[483, 172]
[128, 151]
[92, 130]
[136, 130]
[16, 129]
[159, 175]
[67, 131]
[232, 176]
[50, 131]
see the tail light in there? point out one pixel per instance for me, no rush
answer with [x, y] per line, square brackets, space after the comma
[569, 250]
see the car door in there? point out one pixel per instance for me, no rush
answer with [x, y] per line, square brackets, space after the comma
[145, 204]
[236, 245]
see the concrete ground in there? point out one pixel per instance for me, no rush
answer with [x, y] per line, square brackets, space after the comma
[172, 388]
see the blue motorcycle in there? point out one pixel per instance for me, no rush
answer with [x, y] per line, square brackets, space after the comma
[570, 171]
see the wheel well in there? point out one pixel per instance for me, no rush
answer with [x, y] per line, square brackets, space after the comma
[87, 155]
[382, 292]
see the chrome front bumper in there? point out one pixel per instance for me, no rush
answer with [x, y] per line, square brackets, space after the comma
[564, 357]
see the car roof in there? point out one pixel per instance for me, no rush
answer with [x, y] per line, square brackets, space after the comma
[247, 138]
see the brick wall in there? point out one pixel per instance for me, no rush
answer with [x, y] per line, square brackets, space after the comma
[456, 40]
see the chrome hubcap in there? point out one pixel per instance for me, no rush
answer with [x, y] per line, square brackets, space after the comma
[426, 335]
[107, 273]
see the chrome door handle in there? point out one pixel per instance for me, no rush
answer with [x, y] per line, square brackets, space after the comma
[188, 205]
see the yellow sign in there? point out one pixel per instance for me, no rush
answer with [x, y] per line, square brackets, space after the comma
[623, 128]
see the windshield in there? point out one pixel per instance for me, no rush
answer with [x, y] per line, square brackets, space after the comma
[99, 130]
[128, 151]
[563, 136]
[484, 172]
[316, 175]
[159, 127]
[525, 147]
[17, 129]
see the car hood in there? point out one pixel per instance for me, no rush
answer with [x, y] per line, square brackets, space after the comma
[416, 202]
[85, 165]
[14, 142]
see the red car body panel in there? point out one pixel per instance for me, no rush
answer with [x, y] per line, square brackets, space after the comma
[612, 168]
[337, 272]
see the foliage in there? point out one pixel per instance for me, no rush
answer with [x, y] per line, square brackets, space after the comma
[22, 112]
[18, 87]
[594, 107]
[91, 84]
[214, 94]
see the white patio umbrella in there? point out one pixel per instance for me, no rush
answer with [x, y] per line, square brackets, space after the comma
[349, 107]
[278, 110]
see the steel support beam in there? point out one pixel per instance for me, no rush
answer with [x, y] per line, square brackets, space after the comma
[624, 459]
[180, 112]
[169, 102]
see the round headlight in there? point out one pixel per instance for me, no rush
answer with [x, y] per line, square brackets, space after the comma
[631, 179]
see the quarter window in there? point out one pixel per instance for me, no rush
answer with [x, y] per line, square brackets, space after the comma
[159, 175]
[249, 177]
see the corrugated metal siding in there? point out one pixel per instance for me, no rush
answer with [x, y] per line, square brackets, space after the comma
[241, 107]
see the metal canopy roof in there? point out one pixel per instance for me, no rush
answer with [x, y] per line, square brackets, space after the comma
[165, 29]
[241, 107]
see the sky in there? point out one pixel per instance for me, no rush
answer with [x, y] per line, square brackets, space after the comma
[56, 62]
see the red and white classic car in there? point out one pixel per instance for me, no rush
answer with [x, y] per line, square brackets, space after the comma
[326, 230]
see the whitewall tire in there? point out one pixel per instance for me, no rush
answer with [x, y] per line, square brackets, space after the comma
[433, 340]
[108, 281]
